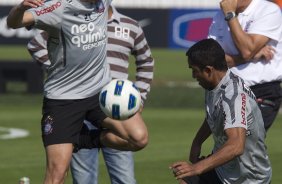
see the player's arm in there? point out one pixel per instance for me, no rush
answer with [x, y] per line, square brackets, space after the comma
[233, 147]
[265, 54]
[19, 17]
[37, 48]
[144, 64]
[247, 44]
[203, 133]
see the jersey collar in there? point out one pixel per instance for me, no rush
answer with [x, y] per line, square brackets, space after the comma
[250, 8]
[115, 16]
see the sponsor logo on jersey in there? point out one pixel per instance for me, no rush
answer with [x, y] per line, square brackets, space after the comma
[88, 35]
[49, 9]
[248, 24]
[243, 109]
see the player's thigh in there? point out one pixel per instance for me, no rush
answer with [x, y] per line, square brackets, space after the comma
[133, 128]
[59, 157]
[61, 121]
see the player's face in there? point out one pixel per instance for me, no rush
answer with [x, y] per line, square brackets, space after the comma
[202, 76]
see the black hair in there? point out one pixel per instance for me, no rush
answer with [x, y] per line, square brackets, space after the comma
[207, 52]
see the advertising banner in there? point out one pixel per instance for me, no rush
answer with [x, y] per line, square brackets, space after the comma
[154, 23]
[188, 26]
[172, 28]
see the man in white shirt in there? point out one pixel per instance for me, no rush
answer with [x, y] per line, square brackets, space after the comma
[250, 33]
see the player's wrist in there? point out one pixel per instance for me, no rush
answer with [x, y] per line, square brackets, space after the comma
[230, 15]
[21, 8]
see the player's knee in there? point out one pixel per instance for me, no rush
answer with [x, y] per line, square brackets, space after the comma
[140, 141]
[57, 173]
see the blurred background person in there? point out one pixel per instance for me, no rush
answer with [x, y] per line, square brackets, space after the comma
[250, 33]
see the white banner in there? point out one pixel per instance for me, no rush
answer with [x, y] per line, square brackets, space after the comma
[149, 3]
[167, 3]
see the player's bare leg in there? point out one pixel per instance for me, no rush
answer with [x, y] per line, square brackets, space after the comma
[129, 135]
[58, 160]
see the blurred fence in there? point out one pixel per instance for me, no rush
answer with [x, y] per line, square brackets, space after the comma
[23, 71]
[166, 3]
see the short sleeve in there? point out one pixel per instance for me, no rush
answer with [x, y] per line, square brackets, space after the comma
[236, 111]
[213, 27]
[49, 15]
[267, 24]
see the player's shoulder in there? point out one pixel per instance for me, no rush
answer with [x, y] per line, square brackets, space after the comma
[269, 4]
[128, 20]
[236, 88]
[232, 84]
[267, 7]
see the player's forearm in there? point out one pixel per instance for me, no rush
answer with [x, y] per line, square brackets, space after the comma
[15, 17]
[19, 17]
[242, 40]
[233, 147]
[233, 60]
[144, 86]
[227, 153]
[203, 133]
[144, 75]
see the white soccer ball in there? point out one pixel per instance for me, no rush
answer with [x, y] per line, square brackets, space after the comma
[120, 99]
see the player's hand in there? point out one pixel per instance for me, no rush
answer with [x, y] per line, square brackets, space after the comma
[183, 169]
[228, 6]
[27, 4]
[266, 53]
[180, 181]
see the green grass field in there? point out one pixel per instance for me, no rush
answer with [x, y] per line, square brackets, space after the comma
[173, 114]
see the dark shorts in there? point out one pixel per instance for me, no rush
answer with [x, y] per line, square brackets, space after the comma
[206, 178]
[269, 97]
[62, 120]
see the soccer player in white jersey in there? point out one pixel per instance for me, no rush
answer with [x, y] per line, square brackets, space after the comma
[234, 120]
[250, 32]
[77, 32]
[125, 37]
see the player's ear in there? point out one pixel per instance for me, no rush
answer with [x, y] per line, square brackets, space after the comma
[209, 70]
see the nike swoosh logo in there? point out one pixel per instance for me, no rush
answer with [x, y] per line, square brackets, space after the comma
[145, 22]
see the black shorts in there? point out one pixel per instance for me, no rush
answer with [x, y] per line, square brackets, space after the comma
[205, 178]
[62, 120]
[269, 98]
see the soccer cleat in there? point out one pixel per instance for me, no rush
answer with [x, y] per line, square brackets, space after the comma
[88, 139]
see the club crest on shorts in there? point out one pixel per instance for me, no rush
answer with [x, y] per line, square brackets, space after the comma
[47, 128]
